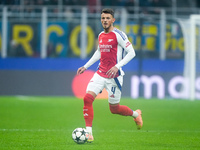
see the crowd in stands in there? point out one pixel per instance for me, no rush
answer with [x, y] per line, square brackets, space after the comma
[145, 3]
[142, 3]
[91, 3]
[64, 3]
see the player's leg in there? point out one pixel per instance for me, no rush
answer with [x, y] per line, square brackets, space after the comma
[114, 96]
[126, 111]
[94, 87]
[88, 112]
[114, 103]
[88, 108]
[122, 110]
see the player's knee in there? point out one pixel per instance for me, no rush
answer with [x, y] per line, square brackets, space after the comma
[88, 99]
[114, 109]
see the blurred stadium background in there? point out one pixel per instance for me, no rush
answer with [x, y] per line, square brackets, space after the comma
[43, 42]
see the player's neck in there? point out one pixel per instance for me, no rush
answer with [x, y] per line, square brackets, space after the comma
[109, 29]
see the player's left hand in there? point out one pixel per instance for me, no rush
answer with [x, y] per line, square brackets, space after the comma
[112, 72]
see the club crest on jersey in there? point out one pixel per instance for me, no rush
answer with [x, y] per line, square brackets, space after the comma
[110, 40]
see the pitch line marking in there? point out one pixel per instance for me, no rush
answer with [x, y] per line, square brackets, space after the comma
[61, 130]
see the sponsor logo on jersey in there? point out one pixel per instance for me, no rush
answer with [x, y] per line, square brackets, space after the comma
[105, 48]
[100, 41]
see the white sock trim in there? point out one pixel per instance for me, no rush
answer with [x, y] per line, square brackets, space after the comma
[89, 129]
[135, 114]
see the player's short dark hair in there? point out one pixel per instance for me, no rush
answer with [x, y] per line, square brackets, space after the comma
[108, 11]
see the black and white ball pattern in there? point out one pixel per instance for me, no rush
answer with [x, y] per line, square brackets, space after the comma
[80, 135]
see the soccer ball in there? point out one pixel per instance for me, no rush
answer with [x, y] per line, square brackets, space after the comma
[80, 135]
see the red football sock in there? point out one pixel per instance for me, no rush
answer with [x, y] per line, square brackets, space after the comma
[88, 109]
[121, 110]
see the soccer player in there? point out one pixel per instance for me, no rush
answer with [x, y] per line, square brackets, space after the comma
[112, 44]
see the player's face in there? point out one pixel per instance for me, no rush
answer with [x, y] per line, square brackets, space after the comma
[107, 21]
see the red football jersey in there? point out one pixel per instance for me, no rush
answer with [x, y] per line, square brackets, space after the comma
[111, 47]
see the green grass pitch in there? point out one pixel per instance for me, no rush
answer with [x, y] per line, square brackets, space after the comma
[46, 123]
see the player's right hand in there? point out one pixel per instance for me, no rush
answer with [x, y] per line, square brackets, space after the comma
[81, 70]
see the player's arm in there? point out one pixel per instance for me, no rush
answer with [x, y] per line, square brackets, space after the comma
[96, 56]
[130, 55]
[128, 47]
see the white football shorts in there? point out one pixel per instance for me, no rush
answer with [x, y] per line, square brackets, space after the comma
[112, 86]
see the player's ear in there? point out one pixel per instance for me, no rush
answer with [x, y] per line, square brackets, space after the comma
[113, 20]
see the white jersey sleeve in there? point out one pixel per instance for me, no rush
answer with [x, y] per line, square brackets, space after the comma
[96, 56]
[127, 46]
